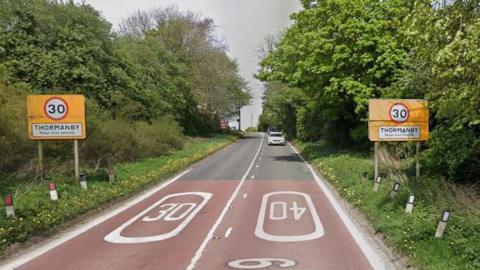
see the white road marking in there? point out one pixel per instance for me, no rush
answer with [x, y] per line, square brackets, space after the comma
[62, 238]
[199, 252]
[116, 235]
[357, 235]
[252, 177]
[245, 195]
[260, 263]
[257, 166]
[228, 232]
[297, 213]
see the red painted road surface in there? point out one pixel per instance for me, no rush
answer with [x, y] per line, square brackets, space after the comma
[335, 249]
[250, 206]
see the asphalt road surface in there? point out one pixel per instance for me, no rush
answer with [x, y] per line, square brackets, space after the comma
[249, 206]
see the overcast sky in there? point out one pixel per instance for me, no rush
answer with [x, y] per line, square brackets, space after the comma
[243, 23]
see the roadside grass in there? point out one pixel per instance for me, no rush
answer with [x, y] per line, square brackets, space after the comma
[412, 235]
[37, 215]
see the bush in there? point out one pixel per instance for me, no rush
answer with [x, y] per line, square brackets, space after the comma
[454, 154]
[15, 148]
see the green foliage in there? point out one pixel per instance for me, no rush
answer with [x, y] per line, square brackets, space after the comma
[280, 108]
[14, 145]
[57, 47]
[444, 70]
[143, 88]
[341, 54]
[174, 68]
[120, 140]
[205, 84]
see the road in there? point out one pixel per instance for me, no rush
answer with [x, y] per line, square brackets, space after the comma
[249, 206]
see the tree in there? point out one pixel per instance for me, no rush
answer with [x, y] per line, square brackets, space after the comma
[341, 53]
[63, 47]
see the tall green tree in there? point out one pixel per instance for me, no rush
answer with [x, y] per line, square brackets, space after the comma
[341, 53]
[55, 46]
[443, 38]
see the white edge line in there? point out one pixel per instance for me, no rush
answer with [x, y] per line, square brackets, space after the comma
[83, 228]
[228, 232]
[209, 236]
[357, 235]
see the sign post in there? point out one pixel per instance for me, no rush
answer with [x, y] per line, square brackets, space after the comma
[398, 120]
[377, 144]
[56, 117]
[417, 161]
[77, 160]
[40, 159]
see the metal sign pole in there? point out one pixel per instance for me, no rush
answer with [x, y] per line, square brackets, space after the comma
[77, 161]
[417, 159]
[40, 159]
[376, 159]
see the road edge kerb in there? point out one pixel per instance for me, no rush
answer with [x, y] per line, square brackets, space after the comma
[94, 217]
[199, 252]
[370, 253]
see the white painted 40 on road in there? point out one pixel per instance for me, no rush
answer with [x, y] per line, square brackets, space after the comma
[298, 208]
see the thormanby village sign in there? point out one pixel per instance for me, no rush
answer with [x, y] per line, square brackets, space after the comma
[57, 117]
[397, 120]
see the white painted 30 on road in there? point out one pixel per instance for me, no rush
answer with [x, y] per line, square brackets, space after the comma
[167, 212]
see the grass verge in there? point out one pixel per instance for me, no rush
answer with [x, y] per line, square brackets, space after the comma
[36, 215]
[413, 234]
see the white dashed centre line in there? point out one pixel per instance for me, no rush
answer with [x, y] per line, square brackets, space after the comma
[245, 195]
[209, 236]
[228, 232]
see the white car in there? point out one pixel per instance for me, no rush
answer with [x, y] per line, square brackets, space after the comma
[276, 138]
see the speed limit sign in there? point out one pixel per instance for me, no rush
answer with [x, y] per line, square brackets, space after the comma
[56, 108]
[56, 117]
[399, 113]
[398, 120]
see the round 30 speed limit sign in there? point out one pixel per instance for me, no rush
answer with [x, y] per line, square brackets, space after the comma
[399, 113]
[56, 108]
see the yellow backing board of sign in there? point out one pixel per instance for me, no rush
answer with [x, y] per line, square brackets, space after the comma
[56, 117]
[398, 120]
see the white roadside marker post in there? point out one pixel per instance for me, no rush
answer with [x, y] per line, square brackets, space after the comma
[442, 223]
[9, 207]
[53, 191]
[410, 204]
[377, 184]
[83, 180]
[395, 188]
